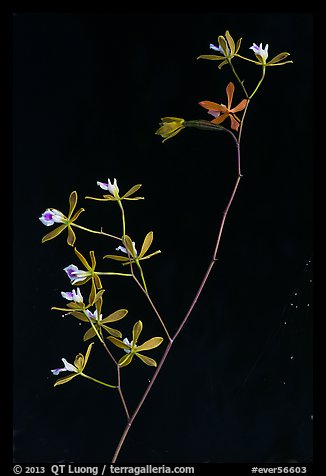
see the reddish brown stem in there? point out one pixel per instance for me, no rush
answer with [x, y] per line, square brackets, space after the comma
[202, 284]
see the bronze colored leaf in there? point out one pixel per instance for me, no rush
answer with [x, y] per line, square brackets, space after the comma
[119, 343]
[115, 316]
[146, 244]
[71, 238]
[230, 42]
[138, 327]
[113, 332]
[125, 360]
[72, 202]
[53, 233]
[279, 57]
[63, 380]
[147, 360]
[116, 257]
[82, 259]
[211, 57]
[150, 344]
[89, 334]
[132, 190]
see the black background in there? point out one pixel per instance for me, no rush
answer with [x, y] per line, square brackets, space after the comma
[89, 90]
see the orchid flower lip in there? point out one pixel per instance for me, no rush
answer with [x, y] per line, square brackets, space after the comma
[260, 51]
[93, 315]
[124, 250]
[51, 216]
[67, 368]
[214, 113]
[111, 187]
[73, 295]
[75, 274]
[126, 341]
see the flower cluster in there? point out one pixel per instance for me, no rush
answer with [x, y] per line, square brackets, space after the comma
[228, 50]
[89, 311]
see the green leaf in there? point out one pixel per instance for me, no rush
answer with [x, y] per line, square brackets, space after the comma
[132, 190]
[53, 233]
[150, 344]
[115, 316]
[147, 360]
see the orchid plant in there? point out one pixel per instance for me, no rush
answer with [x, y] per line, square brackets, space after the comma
[86, 299]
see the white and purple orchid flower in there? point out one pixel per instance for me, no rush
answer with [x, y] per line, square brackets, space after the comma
[260, 51]
[219, 49]
[76, 275]
[67, 368]
[73, 295]
[93, 315]
[51, 216]
[124, 250]
[111, 187]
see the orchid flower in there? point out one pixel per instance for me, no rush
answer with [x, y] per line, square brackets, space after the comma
[101, 323]
[130, 247]
[52, 216]
[114, 192]
[262, 55]
[222, 112]
[76, 369]
[131, 348]
[260, 52]
[170, 126]
[73, 295]
[78, 276]
[226, 47]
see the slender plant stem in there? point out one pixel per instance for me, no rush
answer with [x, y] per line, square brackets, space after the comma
[142, 275]
[123, 220]
[95, 231]
[99, 335]
[109, 273]
[239, 80]
[259, 82]
[97, 381]
[202, 284]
